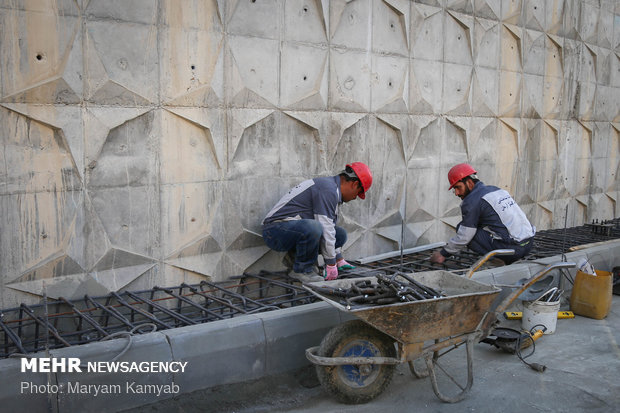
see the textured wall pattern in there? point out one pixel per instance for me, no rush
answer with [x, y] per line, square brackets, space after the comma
[144, 141]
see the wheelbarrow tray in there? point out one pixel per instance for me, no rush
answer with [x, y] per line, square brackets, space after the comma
[461, 310]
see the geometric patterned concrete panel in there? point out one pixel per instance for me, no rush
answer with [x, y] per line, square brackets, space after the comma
[303, 77]
[144, 143]
[124, 185]
[117, 75]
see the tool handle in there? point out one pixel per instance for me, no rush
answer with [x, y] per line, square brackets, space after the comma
[546, 293]
[507, 301]
[484, 259]
[537, 334]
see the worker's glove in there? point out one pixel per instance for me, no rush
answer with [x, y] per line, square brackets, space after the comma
[343, 265]
[331, 272]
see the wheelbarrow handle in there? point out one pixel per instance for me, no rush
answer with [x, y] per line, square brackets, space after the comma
[502, 307]
[484, 259]
[311, 355]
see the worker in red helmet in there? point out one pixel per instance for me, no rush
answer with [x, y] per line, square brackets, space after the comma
[303, 222]
[491, 219]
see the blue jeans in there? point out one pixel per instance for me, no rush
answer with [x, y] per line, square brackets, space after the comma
[483, 242]
[303, 236]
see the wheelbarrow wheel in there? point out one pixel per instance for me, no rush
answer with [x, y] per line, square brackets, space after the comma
[354, 384]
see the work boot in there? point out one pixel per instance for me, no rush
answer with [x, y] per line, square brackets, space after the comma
[306, 277]
[289, 260]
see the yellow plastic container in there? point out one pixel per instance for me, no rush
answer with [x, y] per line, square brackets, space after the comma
[591, 295]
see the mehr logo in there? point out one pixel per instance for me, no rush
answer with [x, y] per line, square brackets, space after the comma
[51, 365]
[72, 365]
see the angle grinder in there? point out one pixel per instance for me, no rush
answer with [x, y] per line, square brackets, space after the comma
[514, 341]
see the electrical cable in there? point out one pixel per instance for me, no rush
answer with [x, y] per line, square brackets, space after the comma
[534, 366]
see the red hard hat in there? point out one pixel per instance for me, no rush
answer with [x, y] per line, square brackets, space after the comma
[459, 172]
[362, 171]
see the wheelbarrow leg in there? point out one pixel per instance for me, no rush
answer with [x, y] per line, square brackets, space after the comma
[416, 372]
[431, 361]
[420, 374]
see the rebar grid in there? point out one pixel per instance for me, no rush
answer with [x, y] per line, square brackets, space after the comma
[546, 244]
[63, 323]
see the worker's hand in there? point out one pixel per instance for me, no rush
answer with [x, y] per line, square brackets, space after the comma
[331, 272]
[343, 265]
[437, 258]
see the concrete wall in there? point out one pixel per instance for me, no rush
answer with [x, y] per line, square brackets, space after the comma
[144, 141]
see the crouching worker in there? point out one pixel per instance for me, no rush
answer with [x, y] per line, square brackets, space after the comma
[303, 222]
[491, 219]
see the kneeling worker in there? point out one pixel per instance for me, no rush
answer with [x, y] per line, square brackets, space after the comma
[491, 219]
[303, 222]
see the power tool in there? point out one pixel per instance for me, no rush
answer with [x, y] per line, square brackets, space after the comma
[514, 341]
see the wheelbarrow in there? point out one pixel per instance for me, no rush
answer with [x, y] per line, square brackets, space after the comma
[356, 360]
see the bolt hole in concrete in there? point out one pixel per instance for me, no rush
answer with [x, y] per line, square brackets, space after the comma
[193, 67]
[349, 83]
[123, 64]
[305, 10]
[305, 77]
[40, 56]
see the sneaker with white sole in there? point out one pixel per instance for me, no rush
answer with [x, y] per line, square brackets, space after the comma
[306, 277]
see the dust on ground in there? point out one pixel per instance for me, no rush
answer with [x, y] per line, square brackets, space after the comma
[280, 392]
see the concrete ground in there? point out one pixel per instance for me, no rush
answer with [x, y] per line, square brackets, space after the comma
[582, 360]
